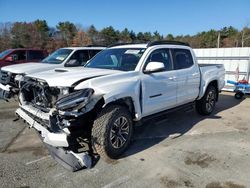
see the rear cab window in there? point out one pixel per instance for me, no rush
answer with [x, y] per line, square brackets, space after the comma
[182, 58]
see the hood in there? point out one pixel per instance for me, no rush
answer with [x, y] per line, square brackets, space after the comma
[29, 68]
[66, 77]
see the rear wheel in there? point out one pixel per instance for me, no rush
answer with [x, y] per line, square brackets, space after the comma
[206, 104]
[112, 131]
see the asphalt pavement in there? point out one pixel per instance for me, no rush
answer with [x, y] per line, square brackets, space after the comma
[182, 149]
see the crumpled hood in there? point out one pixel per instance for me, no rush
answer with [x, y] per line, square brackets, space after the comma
[66, 77]
[29, 68]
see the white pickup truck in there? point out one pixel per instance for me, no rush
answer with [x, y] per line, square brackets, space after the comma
[63, 57]
[121, 86]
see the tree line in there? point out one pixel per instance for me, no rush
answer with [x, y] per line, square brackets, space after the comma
[38, 34]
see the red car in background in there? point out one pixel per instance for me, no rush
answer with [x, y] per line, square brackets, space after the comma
[21, 55]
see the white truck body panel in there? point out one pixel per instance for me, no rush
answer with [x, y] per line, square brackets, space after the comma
[175, 87]
[29, 68]
[66, 77]
[65, 98]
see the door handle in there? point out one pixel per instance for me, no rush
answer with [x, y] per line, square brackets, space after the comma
[195, 74]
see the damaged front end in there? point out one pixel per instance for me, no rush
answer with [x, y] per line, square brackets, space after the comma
[63, 118]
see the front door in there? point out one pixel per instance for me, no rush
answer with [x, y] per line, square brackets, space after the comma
[159, 88]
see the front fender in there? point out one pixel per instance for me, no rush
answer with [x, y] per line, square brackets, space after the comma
[115, 89]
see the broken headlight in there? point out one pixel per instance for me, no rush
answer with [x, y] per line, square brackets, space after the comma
[75, 100]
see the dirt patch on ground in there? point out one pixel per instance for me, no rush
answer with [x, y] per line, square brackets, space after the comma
[37, 151]
[170, 183]
[111, 161]
[242, 128]
[202, 160]
[227, 184]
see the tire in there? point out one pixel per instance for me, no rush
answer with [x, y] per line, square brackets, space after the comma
[238, 95]
[206, 105]
[112, 131]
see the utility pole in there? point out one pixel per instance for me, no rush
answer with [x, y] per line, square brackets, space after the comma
[242, 38]
[218, 40]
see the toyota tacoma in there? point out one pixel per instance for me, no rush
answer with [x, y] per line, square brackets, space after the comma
[78, 112]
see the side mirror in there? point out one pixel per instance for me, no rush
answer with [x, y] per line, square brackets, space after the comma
[154, 67]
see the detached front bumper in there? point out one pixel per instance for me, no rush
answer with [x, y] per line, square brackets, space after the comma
[53, 139]
[5, 92]
[57, 143]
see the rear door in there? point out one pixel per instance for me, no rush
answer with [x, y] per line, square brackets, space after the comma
[188, 76]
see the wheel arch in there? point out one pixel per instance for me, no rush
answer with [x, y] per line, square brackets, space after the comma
[124, 101]
[214, 83]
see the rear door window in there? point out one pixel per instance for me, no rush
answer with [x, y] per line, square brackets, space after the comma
[182, 58]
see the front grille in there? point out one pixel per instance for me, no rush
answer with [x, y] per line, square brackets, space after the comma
[5, 77]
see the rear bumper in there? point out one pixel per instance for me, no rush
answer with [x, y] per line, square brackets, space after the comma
[52, 139]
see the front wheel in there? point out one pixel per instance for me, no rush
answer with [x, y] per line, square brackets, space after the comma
[206, 104]
[112, 131]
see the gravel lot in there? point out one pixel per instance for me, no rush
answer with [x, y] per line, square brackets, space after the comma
[182, 150]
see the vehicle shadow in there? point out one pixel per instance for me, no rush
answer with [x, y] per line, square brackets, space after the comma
[174, 124]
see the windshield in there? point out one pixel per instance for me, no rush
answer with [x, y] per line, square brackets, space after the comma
[124, 59]
[58, 56]
[4, 53]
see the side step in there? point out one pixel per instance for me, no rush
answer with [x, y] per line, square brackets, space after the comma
[186, 107]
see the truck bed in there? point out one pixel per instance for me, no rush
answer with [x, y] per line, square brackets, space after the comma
[215, 71]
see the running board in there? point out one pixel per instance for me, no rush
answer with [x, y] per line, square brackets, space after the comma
[186, 107]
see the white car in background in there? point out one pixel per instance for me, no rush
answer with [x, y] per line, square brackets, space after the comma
[63, 57]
